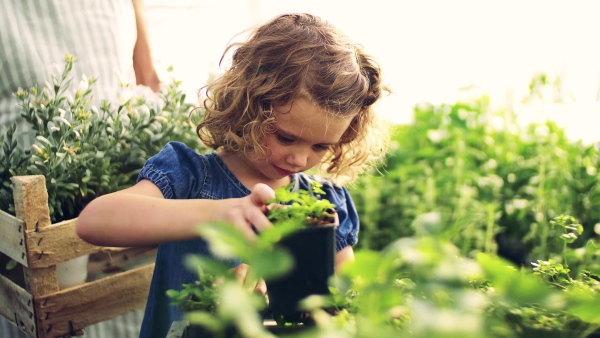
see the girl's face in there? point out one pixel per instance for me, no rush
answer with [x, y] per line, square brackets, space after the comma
[304, 134]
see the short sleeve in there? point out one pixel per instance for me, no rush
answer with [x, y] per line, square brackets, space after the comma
[347, 232]
[176, 170]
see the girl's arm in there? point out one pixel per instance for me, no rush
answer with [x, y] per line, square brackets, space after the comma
[141, 216]
[343, 256]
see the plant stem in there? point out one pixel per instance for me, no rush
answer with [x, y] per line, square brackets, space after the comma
[489, 230]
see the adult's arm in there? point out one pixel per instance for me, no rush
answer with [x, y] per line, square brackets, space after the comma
[143, 65]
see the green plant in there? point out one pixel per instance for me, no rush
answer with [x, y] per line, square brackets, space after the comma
[85, 151]
[198, 296]
[302, 207]
[494, 181]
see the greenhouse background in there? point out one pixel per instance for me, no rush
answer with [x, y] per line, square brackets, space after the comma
[495, 154]
[429, 50]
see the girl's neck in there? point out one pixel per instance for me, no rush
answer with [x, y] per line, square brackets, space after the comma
[241, 167]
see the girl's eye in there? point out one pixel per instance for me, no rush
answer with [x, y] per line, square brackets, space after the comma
[321, 147]
[284, 140]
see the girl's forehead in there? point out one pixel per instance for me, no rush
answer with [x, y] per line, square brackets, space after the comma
[305, 120]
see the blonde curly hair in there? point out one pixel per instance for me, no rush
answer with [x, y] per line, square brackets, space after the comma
[293, 56]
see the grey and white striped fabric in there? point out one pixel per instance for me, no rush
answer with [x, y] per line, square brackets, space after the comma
[35, 35]
[125, 326]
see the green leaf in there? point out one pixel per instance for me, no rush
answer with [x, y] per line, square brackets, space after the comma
[271, 264]
[225, 240]
[204, 264]
[206, 320]
[517, 285]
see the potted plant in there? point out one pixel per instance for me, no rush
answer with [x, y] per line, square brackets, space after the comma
[84, 151]
[311, 246]
[301, 219]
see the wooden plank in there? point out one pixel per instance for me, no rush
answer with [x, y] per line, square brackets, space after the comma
[110, 260]
[16, 305]
[80, 306]
[31, 201]
[13, 241]
[56, 243]
[31, 206]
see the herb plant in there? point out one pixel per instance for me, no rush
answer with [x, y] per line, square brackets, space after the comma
[85, 151]
[302, 206]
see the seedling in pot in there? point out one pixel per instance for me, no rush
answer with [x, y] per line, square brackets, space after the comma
[311, 242]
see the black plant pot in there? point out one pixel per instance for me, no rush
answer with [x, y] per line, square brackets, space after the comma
[313, 251]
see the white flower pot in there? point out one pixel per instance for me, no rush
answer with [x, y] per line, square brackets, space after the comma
[72, 272]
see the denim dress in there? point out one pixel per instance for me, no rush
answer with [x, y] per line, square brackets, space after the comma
[181, 173]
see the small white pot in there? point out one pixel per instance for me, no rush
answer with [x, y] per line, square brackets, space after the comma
[72, 272]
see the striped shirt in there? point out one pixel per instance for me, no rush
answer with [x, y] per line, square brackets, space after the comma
[35, 35]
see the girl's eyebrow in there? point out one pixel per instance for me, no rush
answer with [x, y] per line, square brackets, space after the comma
[295, 137]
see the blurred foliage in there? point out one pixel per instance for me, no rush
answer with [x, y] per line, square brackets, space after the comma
[478, 227]
[493, 183]
[418, 286]
[85, 151]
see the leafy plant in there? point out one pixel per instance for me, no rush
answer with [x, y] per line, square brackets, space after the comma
[305, 207]
[494, 181]
[198, 296]
[85, 151]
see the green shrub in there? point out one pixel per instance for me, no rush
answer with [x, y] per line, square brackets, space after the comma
[85, 151]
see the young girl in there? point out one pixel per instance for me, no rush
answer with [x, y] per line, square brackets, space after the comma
[297, 95]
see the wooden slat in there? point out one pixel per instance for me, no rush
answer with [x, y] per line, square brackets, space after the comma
[31, 206]
[109, 260]
[56, 243]
[13, 237]
[16, 305]
[80, 306]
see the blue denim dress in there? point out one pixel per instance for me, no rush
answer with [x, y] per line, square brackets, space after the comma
[181, 173]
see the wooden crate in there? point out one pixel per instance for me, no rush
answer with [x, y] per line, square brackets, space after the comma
[39, 307]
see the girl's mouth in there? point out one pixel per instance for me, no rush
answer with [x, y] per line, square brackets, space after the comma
[283, 171]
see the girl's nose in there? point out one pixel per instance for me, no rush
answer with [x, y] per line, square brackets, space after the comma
[297, 159]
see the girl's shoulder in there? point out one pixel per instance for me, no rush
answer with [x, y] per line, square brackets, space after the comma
[178, 155]
[182, 172]
[182, 151]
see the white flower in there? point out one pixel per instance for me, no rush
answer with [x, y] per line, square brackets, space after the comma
[591, 170]
[435, 135]
[83, 86]
[510, 208]
[520, 203]
[511, 178]
[126, 95]
[37, 149]
[491, 164]
[539, 217]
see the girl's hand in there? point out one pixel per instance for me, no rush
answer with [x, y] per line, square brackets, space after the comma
[248, 213]
[244, 276]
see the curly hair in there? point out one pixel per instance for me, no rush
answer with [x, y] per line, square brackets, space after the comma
[293, 56]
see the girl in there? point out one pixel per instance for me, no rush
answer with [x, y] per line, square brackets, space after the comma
[297, 95]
